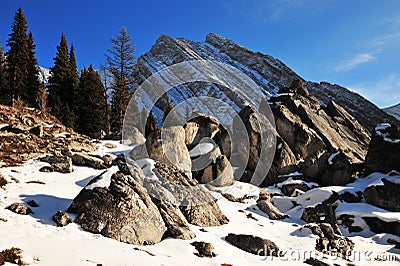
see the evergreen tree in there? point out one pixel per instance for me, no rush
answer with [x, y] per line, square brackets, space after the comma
[4, 97]
[32, 82]
[17, 57]
[73, 79]
[62, 84]
[120, 62]
[91, 105]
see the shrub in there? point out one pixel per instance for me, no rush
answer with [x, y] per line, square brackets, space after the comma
[3, 181]
[11, 255]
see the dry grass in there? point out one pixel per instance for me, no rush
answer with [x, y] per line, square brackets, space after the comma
[11, 255]
[3, 181]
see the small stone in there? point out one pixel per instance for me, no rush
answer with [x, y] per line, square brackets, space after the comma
[19, 208]
[109, 145]
[61, 218]
[204, 249]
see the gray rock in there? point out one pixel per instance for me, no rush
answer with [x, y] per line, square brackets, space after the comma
[19, 208]
[264, 203]
[384, 150]
[197, 204]
[124, 212]
[330, 169]
[288, 189]
[204, 249]
[107, 160]
[59, 163]
[175, 221]
[83, 159]
[386, 196]
[378, 226]
[199, 127]
[262, 167]
[167, 146]
[254, 244]
[61, 219]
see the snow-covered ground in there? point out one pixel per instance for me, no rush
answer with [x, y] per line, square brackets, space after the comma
[43, 243]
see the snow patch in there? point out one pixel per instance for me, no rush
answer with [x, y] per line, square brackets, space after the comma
[105, 178]
[333, 155]
[201, 149]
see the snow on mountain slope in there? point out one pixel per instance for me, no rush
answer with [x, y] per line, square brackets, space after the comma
[43, 243]
[267, 72]
[394, 111]
[44, 75]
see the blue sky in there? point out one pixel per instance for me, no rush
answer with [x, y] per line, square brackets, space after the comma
[352, 43]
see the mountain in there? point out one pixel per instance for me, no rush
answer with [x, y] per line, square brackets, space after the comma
[393, 111]
[269, 73]
[44, 74]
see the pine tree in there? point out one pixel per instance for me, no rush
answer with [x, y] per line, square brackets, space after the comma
[91, 105]
[62, 84]
[120, 62]
[17, 57]
[73, 79]
[4, 96]
[32, 82]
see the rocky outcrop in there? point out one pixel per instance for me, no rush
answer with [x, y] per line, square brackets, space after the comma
[333, 125]
[254, 244]
[331, 240]
[384, 150]
[386, 196]
[26, 133]
[284, 160]
[123, 211]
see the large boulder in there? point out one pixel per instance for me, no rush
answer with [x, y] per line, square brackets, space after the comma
[385, 196]
[122, 211]
[384, 150]
[301, 139]
[200, 126]
[196, 203]
[261, 166]
[330, 169]
[166, 145]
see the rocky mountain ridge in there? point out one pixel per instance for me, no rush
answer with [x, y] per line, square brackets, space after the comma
[393, 111]
[269, 73]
